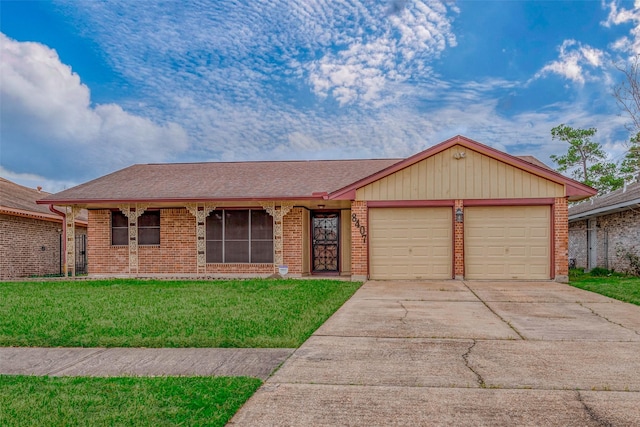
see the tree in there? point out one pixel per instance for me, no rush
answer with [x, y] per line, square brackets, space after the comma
[627, 95]
[630, 166]
[586, 159]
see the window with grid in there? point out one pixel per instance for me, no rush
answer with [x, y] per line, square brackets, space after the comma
[148, 228]
[239, 236]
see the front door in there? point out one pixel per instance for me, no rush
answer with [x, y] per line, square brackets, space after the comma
[325, 241]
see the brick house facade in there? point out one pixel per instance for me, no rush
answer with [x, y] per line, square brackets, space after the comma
[30, 234]
[605, 231]
[431, 215]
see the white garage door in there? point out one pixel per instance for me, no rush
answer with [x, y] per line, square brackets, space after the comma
[507, 242]
[410, 243]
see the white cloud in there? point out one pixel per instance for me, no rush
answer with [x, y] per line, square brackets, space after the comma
[47, 114]
[246, 80]
[394, 49]
[574, 62]
[619, 16]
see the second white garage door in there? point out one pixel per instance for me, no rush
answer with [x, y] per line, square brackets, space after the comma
[410, 243]
[507, 242]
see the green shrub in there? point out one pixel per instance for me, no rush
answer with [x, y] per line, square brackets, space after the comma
[600, 272]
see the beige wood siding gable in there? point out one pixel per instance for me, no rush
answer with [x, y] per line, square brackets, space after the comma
[475, 176]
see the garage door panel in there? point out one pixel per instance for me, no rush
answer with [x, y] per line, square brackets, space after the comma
[410, 243]
[516, 232]
[507, 242]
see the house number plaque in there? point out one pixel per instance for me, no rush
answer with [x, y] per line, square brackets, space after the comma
[362, 228]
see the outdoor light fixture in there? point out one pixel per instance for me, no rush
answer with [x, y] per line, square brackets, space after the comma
[459, 155]
[459, 215]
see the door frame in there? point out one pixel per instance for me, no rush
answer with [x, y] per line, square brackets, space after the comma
[592, 243]
[312, 269]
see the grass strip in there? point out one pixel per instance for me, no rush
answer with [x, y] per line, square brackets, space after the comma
[122, 401]
[255, 313]
[623, 288]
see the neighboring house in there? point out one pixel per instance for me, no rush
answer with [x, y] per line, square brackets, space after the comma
[31, 234]
[605, 231]
[459, 210]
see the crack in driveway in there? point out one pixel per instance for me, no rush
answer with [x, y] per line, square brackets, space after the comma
[406, 312]
[608, 320]
[465, 357]
[495, 314]
[591, 412]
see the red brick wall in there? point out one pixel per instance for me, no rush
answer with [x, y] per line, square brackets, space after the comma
[101, 256]
[177, 253]
[359, 253]
[561, 239]
[240, 269]
[458, 243]
[21, 243]
[292, 240]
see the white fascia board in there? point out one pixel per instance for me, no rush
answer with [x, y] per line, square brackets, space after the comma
[630, 204]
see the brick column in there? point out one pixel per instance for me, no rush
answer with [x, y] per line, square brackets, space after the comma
[133, 212]
[561, 240]
[292, 241]
[458, 243]
[359, 236]
[200, 213]
[278, 220]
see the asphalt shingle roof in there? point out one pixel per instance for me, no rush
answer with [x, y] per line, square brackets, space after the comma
[17, 197]
[620, 196]
[241, 180]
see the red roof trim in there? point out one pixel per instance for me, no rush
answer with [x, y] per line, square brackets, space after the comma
[577, 188]
[36, 215]
[63, 202]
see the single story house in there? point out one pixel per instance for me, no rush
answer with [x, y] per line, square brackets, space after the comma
[31, 241]
[605, 231]
[459, 209]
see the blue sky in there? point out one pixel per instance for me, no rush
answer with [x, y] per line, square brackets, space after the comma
[88, 87]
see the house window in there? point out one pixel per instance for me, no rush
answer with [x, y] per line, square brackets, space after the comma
[240, 236]
[148, 228]
[119, 229]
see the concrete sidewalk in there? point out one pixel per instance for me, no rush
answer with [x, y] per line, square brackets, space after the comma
[461, 353]
[105, 362]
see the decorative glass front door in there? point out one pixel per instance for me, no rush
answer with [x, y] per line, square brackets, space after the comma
[325, 235]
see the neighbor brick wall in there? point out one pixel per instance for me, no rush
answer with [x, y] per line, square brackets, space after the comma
[578, 245]
[561, 239]
[620, 230]
[21, 243]
[359, 263]
[614, 231]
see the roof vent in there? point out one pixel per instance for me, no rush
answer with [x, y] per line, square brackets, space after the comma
[39, 188]
[624, 187]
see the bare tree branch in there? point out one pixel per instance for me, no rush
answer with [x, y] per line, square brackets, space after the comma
[627, 93]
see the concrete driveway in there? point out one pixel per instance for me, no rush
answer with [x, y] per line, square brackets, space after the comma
[461, 353]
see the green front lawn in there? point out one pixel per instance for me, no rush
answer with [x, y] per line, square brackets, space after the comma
[160, 401]
[623, 288]
[155, 313]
